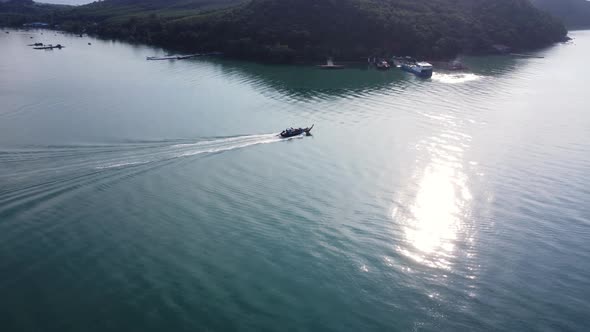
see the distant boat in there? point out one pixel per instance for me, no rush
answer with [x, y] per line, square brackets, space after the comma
[49, 47]
[457, 64]
[290, 132]
[382, 65]
[330, 65]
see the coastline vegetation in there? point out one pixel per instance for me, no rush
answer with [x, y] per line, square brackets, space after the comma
[310, 30]
[573, 13]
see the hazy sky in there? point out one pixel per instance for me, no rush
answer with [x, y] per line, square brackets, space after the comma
[67, 2]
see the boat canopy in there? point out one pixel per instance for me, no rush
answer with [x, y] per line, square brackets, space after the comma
[424, 65]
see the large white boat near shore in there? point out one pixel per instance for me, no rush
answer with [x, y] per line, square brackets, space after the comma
[422, 69]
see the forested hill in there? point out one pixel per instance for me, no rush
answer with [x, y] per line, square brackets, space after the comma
[284, 30]
[355, 28]
[120, 10]
[161, 5]
[574, 13]
[17, 12]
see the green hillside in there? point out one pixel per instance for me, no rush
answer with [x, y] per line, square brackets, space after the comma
[18, 12]
[284, 30]
[574, 13]
[114, 9]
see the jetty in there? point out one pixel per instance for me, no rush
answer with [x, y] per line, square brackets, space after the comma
[161, 58]
[532, 56]
[181, 57]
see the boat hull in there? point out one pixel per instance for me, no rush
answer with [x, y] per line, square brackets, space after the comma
[292, 134]
[48, 47]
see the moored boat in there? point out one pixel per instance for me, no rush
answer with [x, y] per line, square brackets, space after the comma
[382, 65]
[49, 47]
[379, 63]
[290, 132]
[457, 64]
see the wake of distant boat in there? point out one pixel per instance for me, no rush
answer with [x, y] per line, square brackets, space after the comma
[455, 78]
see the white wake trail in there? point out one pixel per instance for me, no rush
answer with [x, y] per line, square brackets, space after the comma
[163, 153]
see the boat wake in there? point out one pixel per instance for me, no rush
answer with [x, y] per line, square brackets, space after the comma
[179, 150]
[123, 155]
[455, 78]
[34, 174]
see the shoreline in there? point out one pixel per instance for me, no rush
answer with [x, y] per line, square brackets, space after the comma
[441, 63]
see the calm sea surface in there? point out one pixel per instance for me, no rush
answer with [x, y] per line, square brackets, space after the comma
[155, 195]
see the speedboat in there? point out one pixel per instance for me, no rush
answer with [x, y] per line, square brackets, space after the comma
[290, 132]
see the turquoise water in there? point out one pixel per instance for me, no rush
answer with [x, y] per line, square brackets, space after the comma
[155, 196]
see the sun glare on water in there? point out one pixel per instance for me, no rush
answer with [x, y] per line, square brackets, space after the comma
[431, 213]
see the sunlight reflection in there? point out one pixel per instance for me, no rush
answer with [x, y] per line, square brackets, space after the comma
[434, 212]
[432, 218]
